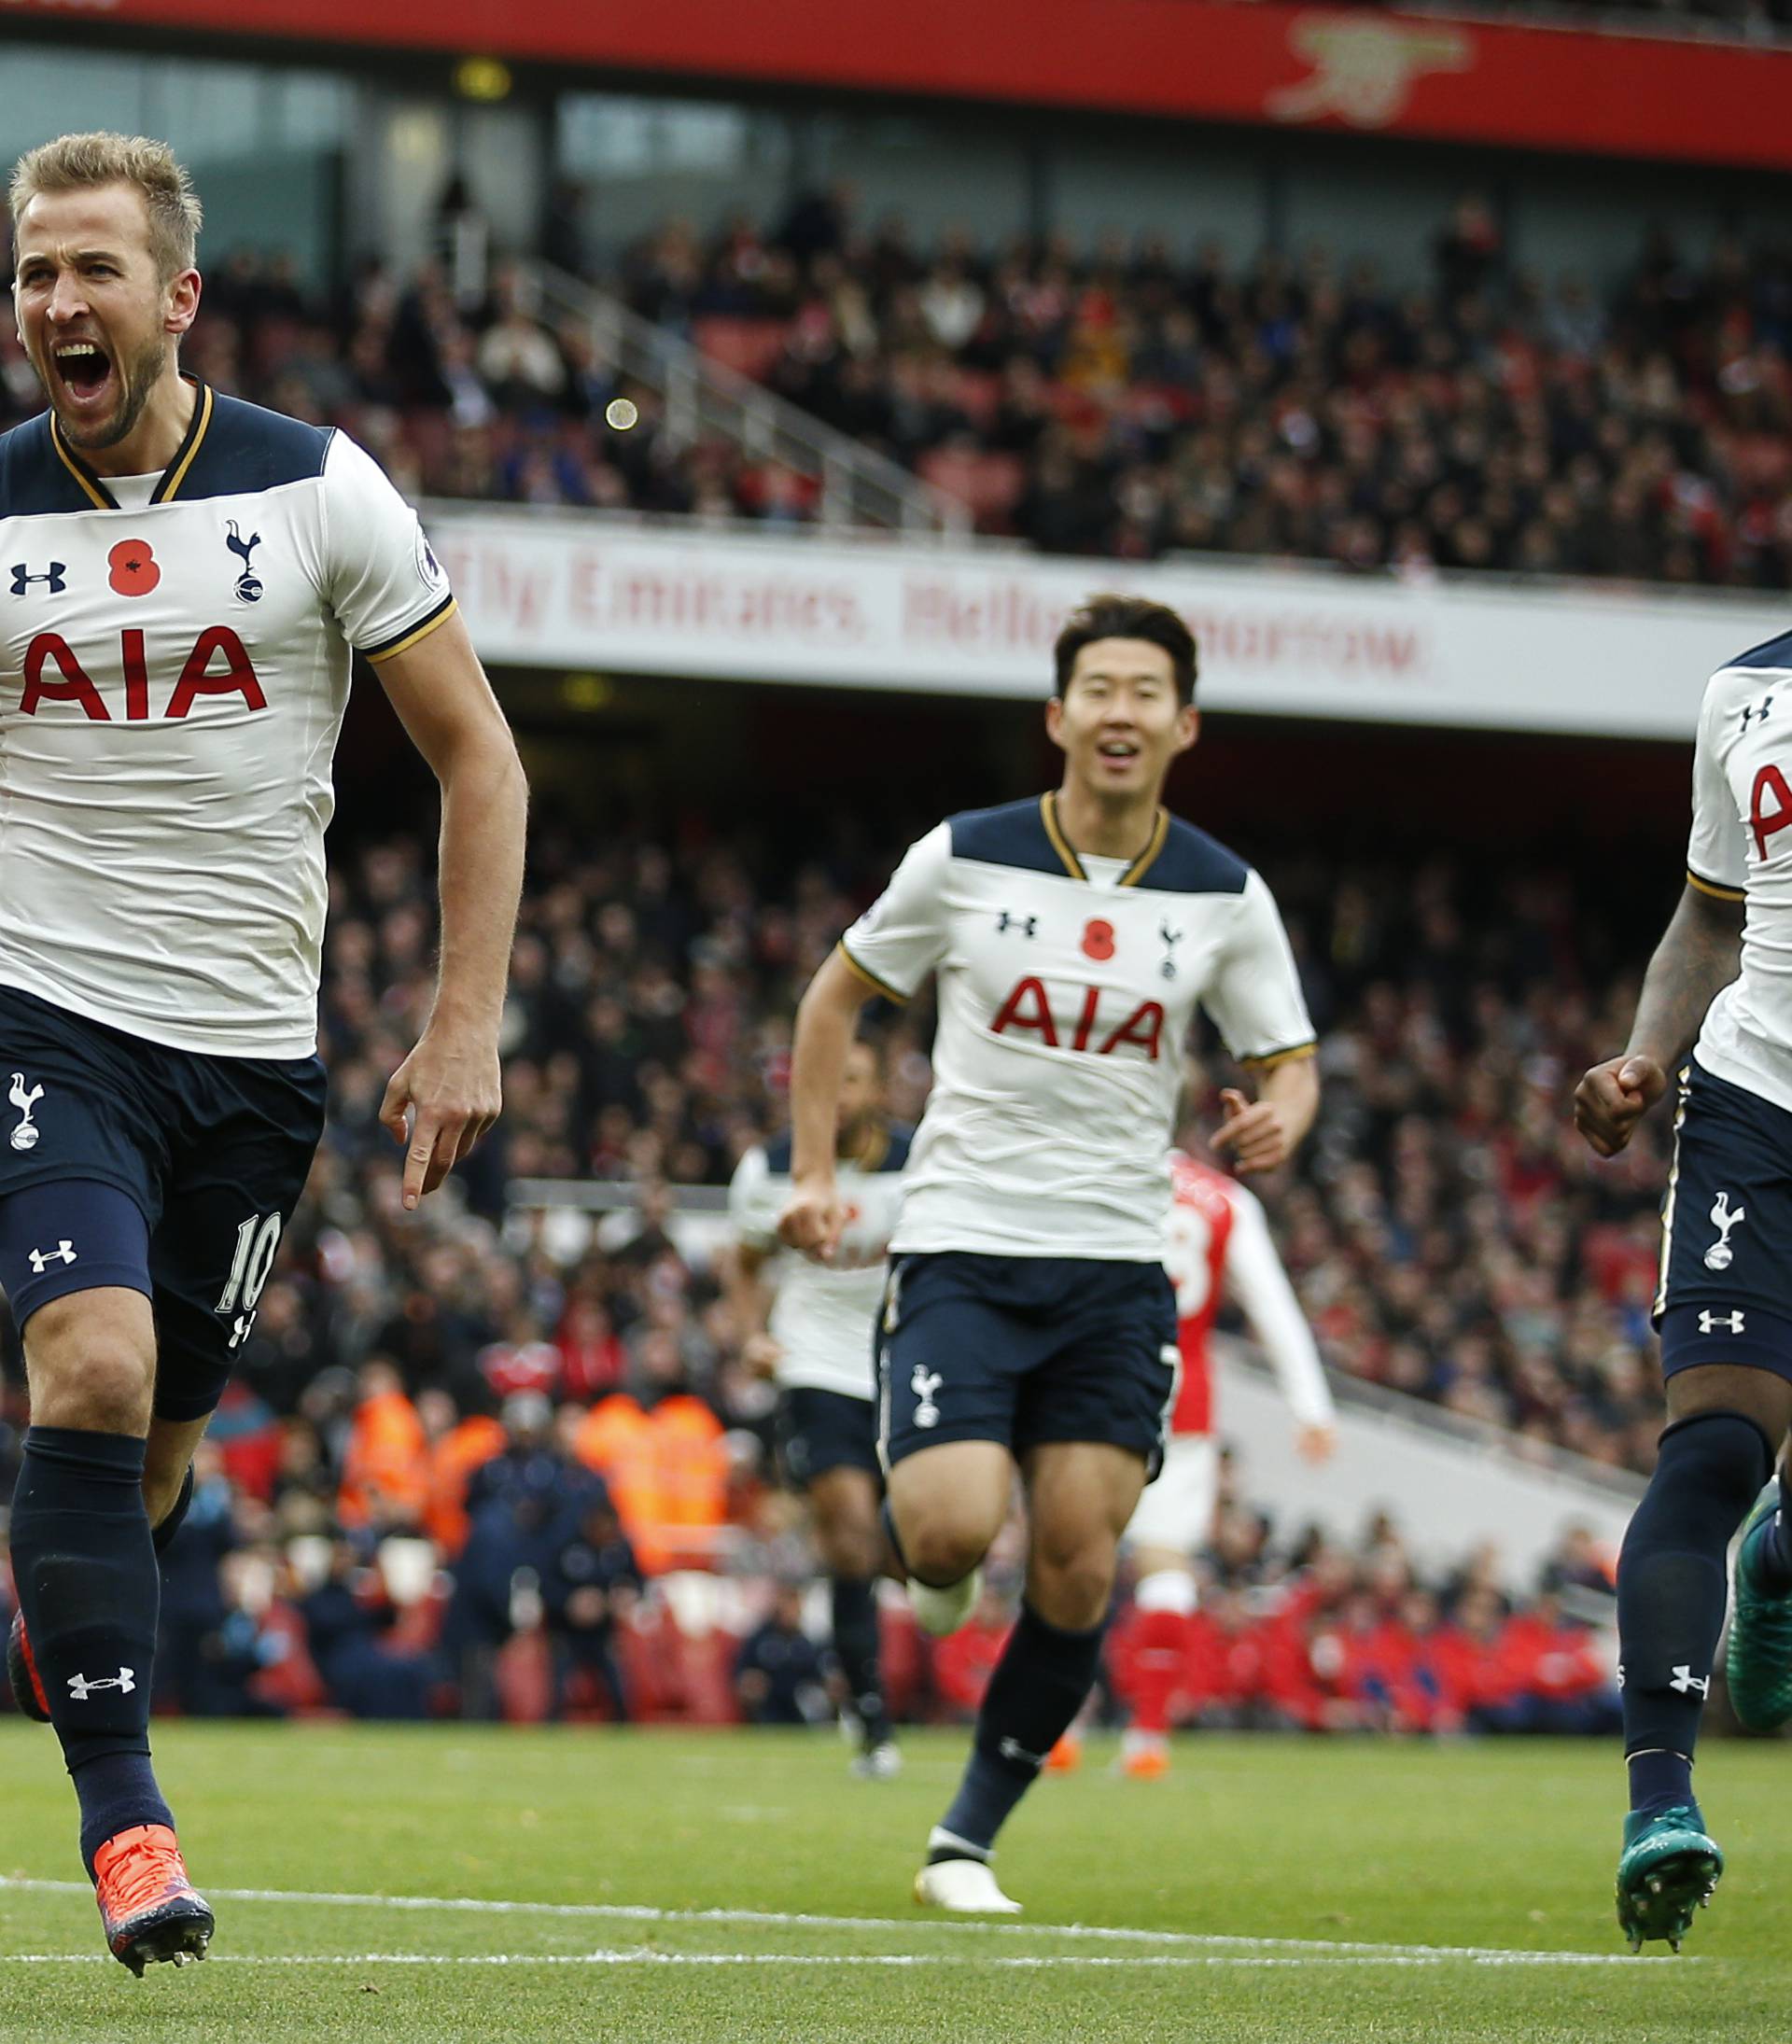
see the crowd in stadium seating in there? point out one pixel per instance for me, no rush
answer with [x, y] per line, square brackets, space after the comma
[562, 1413]
[1121, 400]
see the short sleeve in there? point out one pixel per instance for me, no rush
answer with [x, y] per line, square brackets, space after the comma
[754, 1202]
[901, 936]
[1255, 997]
[1716, 851]
[382, 580]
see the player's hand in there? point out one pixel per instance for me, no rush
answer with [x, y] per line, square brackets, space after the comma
[441, 1101]
[762, 1354]
[1254, 1131]
[1614, 1096]
[812, 1220]
[1315, 1444]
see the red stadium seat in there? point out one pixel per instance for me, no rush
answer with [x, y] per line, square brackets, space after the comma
[990, 485]
[749, 347]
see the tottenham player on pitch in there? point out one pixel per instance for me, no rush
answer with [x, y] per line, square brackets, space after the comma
[183, 580]
[810, 1326]
[1027, 1319]
[1724, 1309]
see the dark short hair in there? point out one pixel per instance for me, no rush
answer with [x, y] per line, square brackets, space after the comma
[1126, 617]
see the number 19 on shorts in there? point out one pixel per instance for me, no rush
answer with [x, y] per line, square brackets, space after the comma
[258, 1242]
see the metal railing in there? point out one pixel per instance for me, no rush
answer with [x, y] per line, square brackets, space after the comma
[704, 400]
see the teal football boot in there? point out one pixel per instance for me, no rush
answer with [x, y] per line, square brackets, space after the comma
[1758, 1664]
[1669, 1867]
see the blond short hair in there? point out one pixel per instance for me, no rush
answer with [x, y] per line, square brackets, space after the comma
[81, 162]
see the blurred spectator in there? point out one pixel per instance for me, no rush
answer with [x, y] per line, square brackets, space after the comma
[778, 1675]
[594, 1583]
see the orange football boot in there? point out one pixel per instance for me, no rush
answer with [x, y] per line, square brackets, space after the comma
[1067, 1755]
[149, 1907]
[1148, 1764]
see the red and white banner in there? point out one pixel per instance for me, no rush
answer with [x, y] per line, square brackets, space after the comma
[1643, 96]
[564, 591]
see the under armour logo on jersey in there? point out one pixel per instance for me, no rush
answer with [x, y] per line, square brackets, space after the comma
[1171, 939]
[248, 585]
[1719, 1256]
[26, 1136]
[924, 1383]
[1027, 925]
[1686, 1682]
[1760, 712]
[1730, 1323]
[22, 578]
[63, 1252]
[80, 1689]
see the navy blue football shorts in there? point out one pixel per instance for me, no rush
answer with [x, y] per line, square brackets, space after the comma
[1025, 1350]
[1726, 1292]
[822, 1430]
[164, 1171]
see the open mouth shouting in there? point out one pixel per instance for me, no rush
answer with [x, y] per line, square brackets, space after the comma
[85, 379]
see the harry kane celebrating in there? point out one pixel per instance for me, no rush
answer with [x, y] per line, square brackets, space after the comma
[183, 581]
[1028, 1320]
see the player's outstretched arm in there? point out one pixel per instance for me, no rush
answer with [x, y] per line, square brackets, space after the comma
[446, 1093]
[825, 1021]
[1262, 1134]
[1254, 1278]
[1699, 955]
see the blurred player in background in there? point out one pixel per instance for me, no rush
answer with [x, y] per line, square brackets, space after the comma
[1218, 1246]
[1724, 1308]
[1028, 1322]
[810, 1325]
[189, 576]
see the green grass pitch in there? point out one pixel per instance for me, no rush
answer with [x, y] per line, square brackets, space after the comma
[637, 1886]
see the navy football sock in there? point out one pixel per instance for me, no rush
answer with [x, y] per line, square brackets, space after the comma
[855, 1648]
[162, 1534]
[85, 1567]
[1672, 1588]
[1660, 1781]
[1032, 1700]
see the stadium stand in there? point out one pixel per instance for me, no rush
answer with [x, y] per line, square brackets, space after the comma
[1122, 400]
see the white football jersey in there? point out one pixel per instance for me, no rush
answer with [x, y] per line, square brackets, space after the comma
[823, 1315]
[174, 668]
[1740, 849]
[1066, 989]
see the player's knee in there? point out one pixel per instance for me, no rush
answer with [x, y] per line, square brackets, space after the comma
[850, 1547]
[105, 1388]
[1072, 1590]
[944, 1552]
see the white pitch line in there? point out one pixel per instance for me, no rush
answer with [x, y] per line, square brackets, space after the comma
[641, 1955]
[795, 1920]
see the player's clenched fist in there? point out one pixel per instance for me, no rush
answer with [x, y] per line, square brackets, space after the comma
[812, 1220]
[1255, 1132]
[1614, 1096]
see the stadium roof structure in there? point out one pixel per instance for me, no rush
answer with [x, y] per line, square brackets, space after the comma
[1629, 94]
